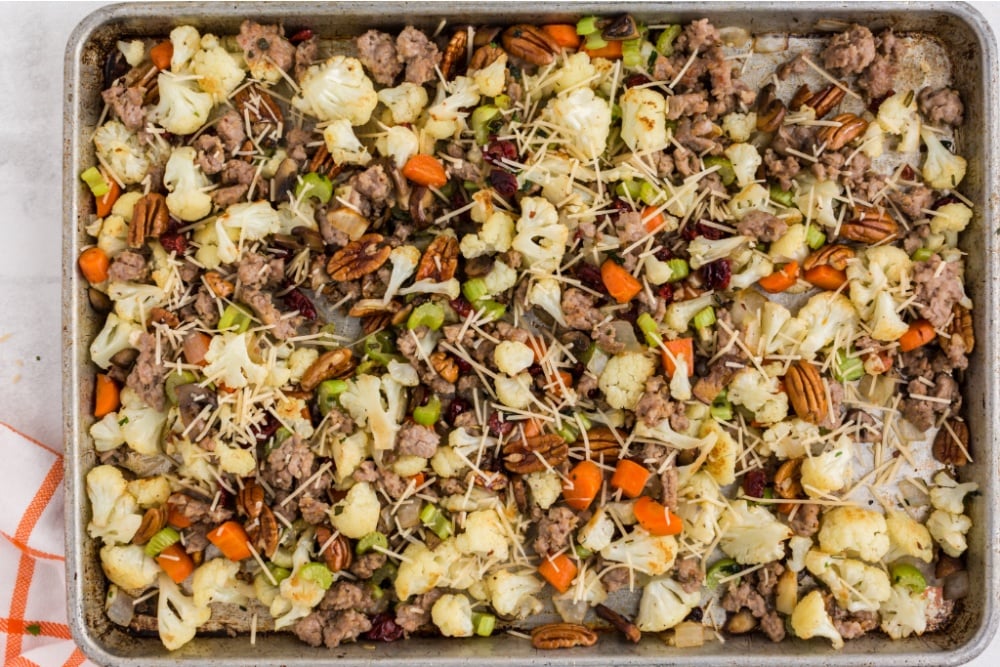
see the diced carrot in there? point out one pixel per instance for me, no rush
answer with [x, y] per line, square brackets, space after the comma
[176, 562]
[565, 380]
[161, 54]
[425, 170]
[656, 518]
[781, 279]
[584, 484]
[106, 396]
[653, 217]
[418, 479]
[681, 347]
[563, 34]
[920, 333]
[538, 346]
[231, 540]
[630, 477]
[94, 265]
[621, 285]
[559, 571]
[108, 199]
[195, 347]
[612, 50]
[826, 277]
[177, 519]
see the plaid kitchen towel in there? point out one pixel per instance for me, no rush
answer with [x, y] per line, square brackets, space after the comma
[33, 629]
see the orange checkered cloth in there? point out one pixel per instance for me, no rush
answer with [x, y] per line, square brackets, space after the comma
[33, 629]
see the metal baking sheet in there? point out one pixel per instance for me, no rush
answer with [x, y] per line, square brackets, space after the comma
[971, 49]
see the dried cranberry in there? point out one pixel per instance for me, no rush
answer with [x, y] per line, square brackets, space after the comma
[717, 274]
[498, 150]
[461, 306]
[173, 242]
[264, 431]
[663, 254]
[666, 292]
[754, 482]
[636, 80]
[944, 201]
[303, 35]
[504, 182]
[457, 407]
[907, 174]
[696, 615]
[696, 229]
[384, 628]
[464, 367]
[497, 426]
[296, 300]
[590, 276]
[534, 370]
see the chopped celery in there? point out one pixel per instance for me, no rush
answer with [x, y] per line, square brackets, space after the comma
[475, 290]
[679, 269]
[379, 348]
[722, 409]
[632, 52]
[370, 541]
[719, 570]
[383, 573]
[595, 41]
[318, 573]
[848, 367]
[430, 315]
[583, 553]
[649, 194]
[279, 573]
[95, 181]
[908, 577]
[783, 197]
[314, 185]
[502, 102]
[494, 310]
[427, 415]
[483, 624]
[665, 42]
[815, 239]
[161, 540]
[629, 189]
[234, 318]
[436, 521]
[587, 25]
[568, 432]
[327, 393]
[726, 171]
[482, 120]
[922, 254]
[649, 329]
[704, 318]
[175, 380]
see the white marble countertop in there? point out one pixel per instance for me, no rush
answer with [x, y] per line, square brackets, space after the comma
[32, 41]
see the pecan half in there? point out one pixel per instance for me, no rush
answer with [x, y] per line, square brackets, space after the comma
[529, 43]
[337, 553]
[951, 443]
[524, 455]
[836, 137]
[604, 444]
[487, 479]
[770, 110]
[220, 286]
[961, 326]
[250, 499]
[264, 533]
[331, 364]
[562, 635]
[445, 366]
[440, 260]
[806, 392]
[787, 484]
[153, 520]
[365, 307]
[822, 102]
[484, 56]
[869, 225]
[454, 54]
[622, 624]
[359, 258]
[150, 217]
[375, 322]
[835, 255]
[257, 103]
[323, 163]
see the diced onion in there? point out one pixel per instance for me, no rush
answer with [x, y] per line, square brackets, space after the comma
[689, 634]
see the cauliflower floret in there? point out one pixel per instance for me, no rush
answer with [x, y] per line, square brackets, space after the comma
[541, 238]
[598, 532]
[898, 115]
[788, 439]
[363, 400]
[948, 495]
[664, 604]
[298, 597]
[942, 169]
[121, 151]
[721, 460]
[185, 41]
[251, 221]
[299, 362]
[514, 392]
[873, 141]
[133, 301]
[545, 487]
[759, 394]
[235, 460]
[229, 361]
[484, 536]
[357, 514]
[513, 594]
[512, 357]
[141, 424]
[218, 72]
[951, 218]
[949, 530]
[452, 614]
[879, 280]
[215, 581]
[907, 537]
[400, 143]
[446, 117]
[739, 126]
[826, 317]
[177, 616]
[419, 571]
[699, 506]
[185, 182]
[182, 108]
[404, 260]
[745, 160]
[791, 246]
[491, 79]
[495, 236]
[704, 250]
[107, 433]
[624, 379]
[348, 453]
[133, 51]
[337, 89]
[150, 491]
[809, 619]
[829, 471]
[644, 127]
[500, 278]
[546, 293]
[754, 197]
[816, 200]
[854, 531]
[584, 119]
[654, 555]
[344, 147]
[798, 547]
[129, 567]
[405, 102]
[112, 339]
[749, 266]
[751, 535]
[855, 585]
[112, 234]
[680, 313]
[575, 70]
[904, 613]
